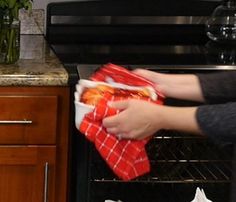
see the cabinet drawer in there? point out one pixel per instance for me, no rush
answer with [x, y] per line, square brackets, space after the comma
[28, 119]
[27, 173]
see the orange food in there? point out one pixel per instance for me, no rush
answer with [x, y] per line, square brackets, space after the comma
[104, 88]
[92, 95]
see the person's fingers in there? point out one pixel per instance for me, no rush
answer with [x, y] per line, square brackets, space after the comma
[110, 122]
[123, 104]
[144, 73]
[121, 136]
[113, 130]
[152, 77]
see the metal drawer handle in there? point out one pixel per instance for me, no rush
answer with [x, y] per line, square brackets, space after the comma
[16, 122]
[46, 169]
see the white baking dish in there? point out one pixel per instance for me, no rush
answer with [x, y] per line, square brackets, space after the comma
[81, 109]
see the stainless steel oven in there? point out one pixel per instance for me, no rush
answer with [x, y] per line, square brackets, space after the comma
[179, 162]
[164, 36]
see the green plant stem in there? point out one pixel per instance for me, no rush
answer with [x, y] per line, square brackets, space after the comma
[9, 46]
[9, 33]
[9, 51]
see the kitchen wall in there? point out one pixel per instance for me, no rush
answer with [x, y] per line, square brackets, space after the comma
[34, 23]
[42, 4]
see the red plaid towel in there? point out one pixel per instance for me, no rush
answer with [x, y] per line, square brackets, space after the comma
[122, 75]
[127, 158]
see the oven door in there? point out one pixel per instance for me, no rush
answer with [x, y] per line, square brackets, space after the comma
[180, 163]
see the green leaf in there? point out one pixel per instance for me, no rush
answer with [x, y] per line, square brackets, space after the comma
[11, 3]
[3, 4]
[16, 4]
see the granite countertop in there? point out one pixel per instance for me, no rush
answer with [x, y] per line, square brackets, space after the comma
[37, 66]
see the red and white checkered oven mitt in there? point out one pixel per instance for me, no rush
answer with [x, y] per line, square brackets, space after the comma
[127, 158]
[115, 73]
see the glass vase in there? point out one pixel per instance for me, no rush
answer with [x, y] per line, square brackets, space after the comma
[221, 26]
[9, 40]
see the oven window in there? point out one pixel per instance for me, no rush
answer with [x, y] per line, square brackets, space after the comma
[179, 164]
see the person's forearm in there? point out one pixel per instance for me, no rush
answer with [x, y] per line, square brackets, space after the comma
[218, 121]
[183, 86]
[218, 87]
[179, 86]
[180, 119]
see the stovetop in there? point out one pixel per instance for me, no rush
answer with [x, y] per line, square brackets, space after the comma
[181, 52]
[174, 55]
[149, 34]
[160, 46]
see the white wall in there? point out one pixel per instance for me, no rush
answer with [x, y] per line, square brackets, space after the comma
[42, 4]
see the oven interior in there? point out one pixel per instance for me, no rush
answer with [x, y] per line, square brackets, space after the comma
[179, 164]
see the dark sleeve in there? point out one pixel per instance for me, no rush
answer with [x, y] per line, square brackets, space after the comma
[218, 121]
[218, 87]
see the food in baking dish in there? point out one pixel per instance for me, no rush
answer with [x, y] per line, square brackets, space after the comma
[91, 96]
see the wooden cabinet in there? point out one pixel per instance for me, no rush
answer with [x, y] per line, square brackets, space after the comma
[34, 137]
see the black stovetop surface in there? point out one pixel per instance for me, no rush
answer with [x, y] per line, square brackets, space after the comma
[195, 51]
[171, 51]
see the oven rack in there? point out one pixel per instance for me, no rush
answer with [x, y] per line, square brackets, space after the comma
[201, 172]
[176, 158]
[187, 149]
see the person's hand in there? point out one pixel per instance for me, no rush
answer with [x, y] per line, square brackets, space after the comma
[180, 86]
[138, 119]
[158, 78]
